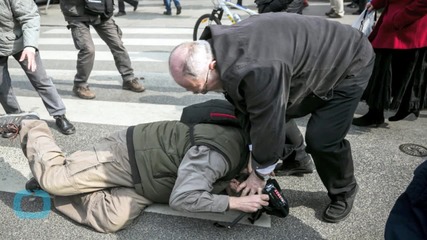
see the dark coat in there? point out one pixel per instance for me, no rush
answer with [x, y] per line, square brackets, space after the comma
[402, 25]
[270, 62]
[74, 10]
[408, 218]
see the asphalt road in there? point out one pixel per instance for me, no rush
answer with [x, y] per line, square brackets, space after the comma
[382, 170]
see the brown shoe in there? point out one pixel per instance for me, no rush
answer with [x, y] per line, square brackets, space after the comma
[133, 85]
[83, 92]
[330, 12]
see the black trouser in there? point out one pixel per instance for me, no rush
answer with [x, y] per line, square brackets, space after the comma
[122, 4]
[326, 130]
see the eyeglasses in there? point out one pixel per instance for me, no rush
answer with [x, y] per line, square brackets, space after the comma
[205, 87]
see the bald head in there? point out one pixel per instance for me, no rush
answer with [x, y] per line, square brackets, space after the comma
[189, 61]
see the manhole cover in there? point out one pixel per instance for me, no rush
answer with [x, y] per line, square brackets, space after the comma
[413, 149]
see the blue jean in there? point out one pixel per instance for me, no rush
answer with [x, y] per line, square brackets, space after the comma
[168, 4]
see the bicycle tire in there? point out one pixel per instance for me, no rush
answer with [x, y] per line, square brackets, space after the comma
[205, 18]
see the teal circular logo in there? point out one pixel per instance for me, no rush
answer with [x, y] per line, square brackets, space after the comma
[44, 213]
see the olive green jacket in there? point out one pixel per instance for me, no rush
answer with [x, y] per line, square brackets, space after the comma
[157, 149]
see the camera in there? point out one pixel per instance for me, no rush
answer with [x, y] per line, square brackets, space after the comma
[277, 204]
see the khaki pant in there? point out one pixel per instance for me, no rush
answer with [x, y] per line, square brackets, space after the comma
[93, 187]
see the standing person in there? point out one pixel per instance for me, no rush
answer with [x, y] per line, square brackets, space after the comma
[318, 67]
[107, 186]
[399, 79]
[122, 10]
[337, 9]
[19, 35]
[168, 7]
[361, 5]
[80, 19]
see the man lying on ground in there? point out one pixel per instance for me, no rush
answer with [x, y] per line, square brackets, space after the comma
[108, 185]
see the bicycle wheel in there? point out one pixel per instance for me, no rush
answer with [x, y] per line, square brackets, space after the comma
[202, 23]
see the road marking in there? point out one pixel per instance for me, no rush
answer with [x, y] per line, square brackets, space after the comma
[127, 41]
[106, 112]
[155, 31]
[106, 56]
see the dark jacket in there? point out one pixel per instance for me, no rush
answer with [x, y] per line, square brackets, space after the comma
[74, 10]
[158, 149]
[270, 62]
[408, 217]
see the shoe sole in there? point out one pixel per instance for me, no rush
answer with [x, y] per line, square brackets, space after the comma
[84, 97]
[133, 90]
[69, 131]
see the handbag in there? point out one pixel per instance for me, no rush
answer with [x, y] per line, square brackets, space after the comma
[365, 22]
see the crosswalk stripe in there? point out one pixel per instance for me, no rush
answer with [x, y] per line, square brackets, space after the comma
[156, 31]
[106, 112]
[105, 56]
[127, 41]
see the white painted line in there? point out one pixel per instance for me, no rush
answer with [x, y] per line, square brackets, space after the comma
[14, 169]
[106, 112]
[106, 56]
[132, 31]
[126, 41]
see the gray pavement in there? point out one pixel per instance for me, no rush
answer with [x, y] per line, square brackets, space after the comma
[382, 170]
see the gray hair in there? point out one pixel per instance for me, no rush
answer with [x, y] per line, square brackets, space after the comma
[198, 56]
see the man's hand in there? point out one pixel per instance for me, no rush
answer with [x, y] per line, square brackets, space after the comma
[29, 53]
[248, 204]
[252, 185]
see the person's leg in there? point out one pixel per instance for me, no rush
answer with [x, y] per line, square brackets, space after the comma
[298, 162]
[407, 71]
[338, 7]
[7, 96]
[361, 4]
[111, 34]
[178, 7]
[133, 3]
[377, 93]
[106, 211]
[331, 152]
[121, 4]
[296, 6]
[167, 7]
[83, 42]
[47, 91]
[102, 166]
[44, 86]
